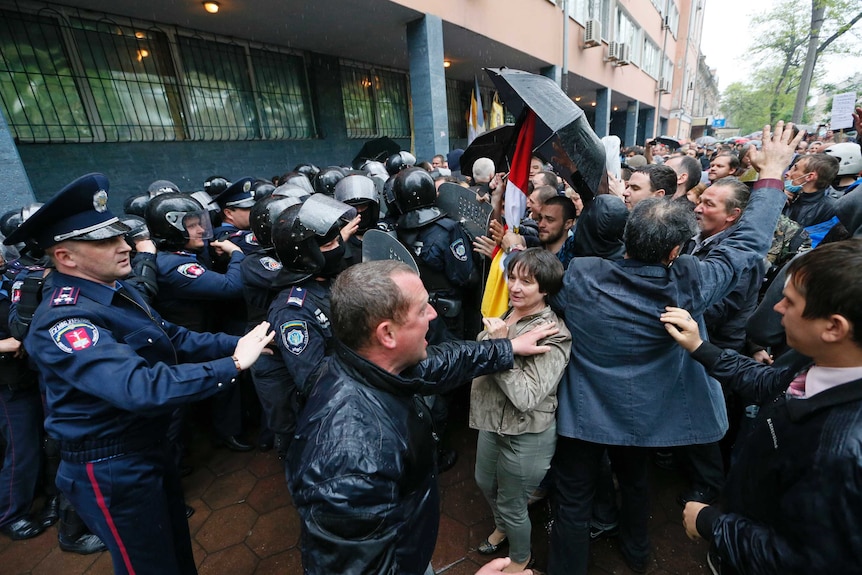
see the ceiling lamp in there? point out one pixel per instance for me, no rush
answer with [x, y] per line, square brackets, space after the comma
[211, 7]
[446, 63]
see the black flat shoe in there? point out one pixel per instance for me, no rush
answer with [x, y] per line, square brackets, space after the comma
[233, 443]
[83, 545]
[51, 512]
[24, 528]
[189, 511]
[486, 548]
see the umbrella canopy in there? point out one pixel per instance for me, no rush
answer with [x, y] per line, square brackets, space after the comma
[671, 143]
[705, 141]
[562, 134]
[378, 150]
[495, 144]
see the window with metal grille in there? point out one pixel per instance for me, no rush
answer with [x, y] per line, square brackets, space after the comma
[132, 81]
[220, 98]
[37, 85]
[375, 102]
[282, 95]
[75, 77]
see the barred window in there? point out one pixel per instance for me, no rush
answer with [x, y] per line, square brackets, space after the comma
[283, 96]
[375, 102]
[132, 80]
[220, 99]
[37, 87]
[77, 78]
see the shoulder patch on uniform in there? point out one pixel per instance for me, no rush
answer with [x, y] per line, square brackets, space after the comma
[270, 264]
[74, 334]
[192, 270]
[15, 296]
[296, 297]
[251, 240]
[66, 295]
[294, 336]
[459, 250]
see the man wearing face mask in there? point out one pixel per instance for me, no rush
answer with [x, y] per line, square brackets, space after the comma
[307, 239]
[806, 185]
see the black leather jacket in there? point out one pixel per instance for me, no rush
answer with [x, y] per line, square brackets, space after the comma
[362, 466]
[793, 499]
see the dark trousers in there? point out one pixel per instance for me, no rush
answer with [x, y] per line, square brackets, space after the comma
[21, 429]
[703, 465]
[578, 465]
[134, 503]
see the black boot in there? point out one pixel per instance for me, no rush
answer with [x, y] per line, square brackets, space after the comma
[74, 535]
[51, 512]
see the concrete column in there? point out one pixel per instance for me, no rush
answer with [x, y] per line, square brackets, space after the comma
[16, 190]
[649, 124]
[553, 72]
[632, 123]
[603, 112]
[428, 87]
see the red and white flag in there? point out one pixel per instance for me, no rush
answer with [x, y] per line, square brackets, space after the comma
[519, 174]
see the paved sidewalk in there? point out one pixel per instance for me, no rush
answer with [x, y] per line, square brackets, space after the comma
[245, 523]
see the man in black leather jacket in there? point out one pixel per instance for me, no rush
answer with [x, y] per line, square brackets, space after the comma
[361, 468]
[792, 500]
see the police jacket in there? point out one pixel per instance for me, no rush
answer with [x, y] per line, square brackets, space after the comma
[361, 468]
[792, 500]
[809, 209]
[187, 286]
[258, 272]
[113, 369]
[443, 254]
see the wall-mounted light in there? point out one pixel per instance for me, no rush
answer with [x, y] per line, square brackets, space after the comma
[211, 7]
[446, 63]
[140, 35]
[616, 108]
[577, 98]
[593, 104]
[143, 53]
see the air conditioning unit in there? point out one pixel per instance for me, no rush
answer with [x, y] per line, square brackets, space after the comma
[614, 51]
[664, 86]
[592, 33]
[624, 55]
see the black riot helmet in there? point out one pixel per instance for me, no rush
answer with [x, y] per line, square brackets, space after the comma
[138, 229]
[416, 198]
[400, 161]
[262, 189]
[264, 214]
[326, 180]
[9, 222]
[215, 185]
[361, 192]
[12, 220]
[301, 229]
[160, 187]
[175, 219]
[310, 171]
[136, 205]
[297, 179]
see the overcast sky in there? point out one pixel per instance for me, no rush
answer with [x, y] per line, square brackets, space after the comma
[727, 37]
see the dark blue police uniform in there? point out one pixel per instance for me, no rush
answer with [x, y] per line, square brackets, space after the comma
[20, 426]
[112, 372]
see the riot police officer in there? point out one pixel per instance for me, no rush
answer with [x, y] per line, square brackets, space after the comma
[236, 203]
[307, 239]
[360, 192]
[110, 366]
[189, 289]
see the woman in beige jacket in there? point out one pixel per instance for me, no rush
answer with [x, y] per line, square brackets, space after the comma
[514, 410]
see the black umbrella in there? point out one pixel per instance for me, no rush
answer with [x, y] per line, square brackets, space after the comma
[562, 136]
[377, 149]
[497, 144]
[671, 143]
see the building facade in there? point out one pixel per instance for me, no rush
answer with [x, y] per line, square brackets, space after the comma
[166, 90]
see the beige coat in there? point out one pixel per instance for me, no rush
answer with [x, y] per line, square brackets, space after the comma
[522, 399]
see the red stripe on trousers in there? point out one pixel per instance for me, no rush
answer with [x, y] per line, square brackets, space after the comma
[100, 500]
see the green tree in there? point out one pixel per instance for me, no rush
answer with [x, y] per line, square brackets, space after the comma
[783, 69]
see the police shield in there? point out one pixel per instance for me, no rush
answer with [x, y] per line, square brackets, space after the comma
[378, 245]
[460, 204]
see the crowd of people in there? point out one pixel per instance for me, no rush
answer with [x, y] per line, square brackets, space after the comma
[674, 319]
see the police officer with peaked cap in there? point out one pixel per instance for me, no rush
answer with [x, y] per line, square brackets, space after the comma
[236, 203]
[112, 373]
